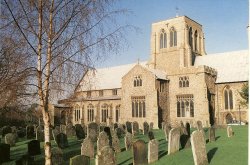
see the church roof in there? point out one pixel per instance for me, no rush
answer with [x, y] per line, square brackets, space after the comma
[230, 66]
[111, 77]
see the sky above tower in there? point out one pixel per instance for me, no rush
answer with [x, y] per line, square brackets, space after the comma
[224, 24]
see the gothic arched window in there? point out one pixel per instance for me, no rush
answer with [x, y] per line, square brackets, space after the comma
[173, 37]
[228, 98]
[90, 110]
[104, 112]
[163, 39]
[195, 40]
[190, 37]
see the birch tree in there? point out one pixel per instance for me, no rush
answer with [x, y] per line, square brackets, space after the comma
[63, 37]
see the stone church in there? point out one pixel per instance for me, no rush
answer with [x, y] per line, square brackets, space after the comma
[179, 82]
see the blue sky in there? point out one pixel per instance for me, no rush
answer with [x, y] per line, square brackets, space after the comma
[224, 24]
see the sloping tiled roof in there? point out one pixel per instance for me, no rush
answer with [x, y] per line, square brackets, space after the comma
[111, 77]
[230, 66]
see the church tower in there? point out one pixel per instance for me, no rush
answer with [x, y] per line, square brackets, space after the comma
[175, 43]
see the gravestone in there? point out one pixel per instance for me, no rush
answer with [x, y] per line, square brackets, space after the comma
[14, 131]
[10, 139]
[39, 133]
[55, 132]
[151, 135]
[199, 148]
[108, 132]
[87, 148]
[211, 132]
[30, 132]
[21, 132]
[174, 141]
[129, 127]
[199, 125]
[115, 125]
[145, 128]
[62, 140]
[6, 130]
[128, 139]
[135, 128]
[118, 132]
[70, 130]
[139, 153]
[4, 152]
[105, 156]
[230, 132]
[80, 160]
[79, 132]
[92, 131]
[63, 129]
[153, 150]
[57, 156]
[34, 148]
[188, 128]
[116, 144]
[151, 126]
[183, 129]
[102, 141]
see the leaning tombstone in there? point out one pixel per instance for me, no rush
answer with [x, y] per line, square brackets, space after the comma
[106, 156]
[174, 141]
[10, 139]
[39, 133]
[87, 148]
[199, 148]
[34, 148]
[79, 132]
[151, 135]
[153, 150]
[145, 128]
[30, 132]
[108, 132]
[57, 156]
[70, 130]
[102, 141]
[211, 132]
[139, 153]
[128, 141]
[92, 131]
[116, 144]
[135, 128]
[62, 140]
[129, 126]
[230, 132]
[4, 152]
[80, 160]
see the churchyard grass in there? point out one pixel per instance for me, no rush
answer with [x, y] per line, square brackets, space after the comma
[224, 150]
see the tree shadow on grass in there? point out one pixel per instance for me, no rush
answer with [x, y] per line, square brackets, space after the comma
[211, 153]
[162, 153]
[125, 161]
[217, 138]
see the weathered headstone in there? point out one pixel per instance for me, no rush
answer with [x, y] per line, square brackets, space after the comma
[79, 132]
[87, 148]
[230, 132]
[199, 125]
[129, 127]
[4, 152]
[92, 131]
[145, 128]
[30, 132]
[116, 144]
[102, 141]
[106, 156]
[80, 160]
[57, 156]
[135, 128]
[70, 130]
[14, 131]
[118, 132]
[199, 148]
[63, 129]
[211, 132]
[153, 150]
[151, 135]
[62, 140]
[128, 140]
[39, 133]
[151, 126]
[139, 153]
[183, 129]
[6, 130]
[108, 132]
[10, 139]
[174, 141]
[34, 148]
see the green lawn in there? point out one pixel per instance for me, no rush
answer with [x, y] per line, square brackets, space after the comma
[224, 151]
